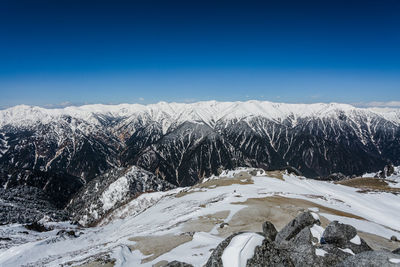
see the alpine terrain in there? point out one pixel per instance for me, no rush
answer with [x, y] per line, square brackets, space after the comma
[204, 184]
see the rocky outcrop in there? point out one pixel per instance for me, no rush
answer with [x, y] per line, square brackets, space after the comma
[298, 244]
[295, 226]
[371, 259]
[111, 190]
[344, 236]
[269, 230]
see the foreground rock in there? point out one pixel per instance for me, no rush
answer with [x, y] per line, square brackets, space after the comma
[344, 236]
[371, 258]
[178, 264]
[303, 242]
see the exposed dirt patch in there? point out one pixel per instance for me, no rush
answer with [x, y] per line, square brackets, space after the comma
[158, 245]
[160, 264]
[370, 184]
[277, 209]
[240, 178]
[244, 179]
[377, 242]
[206, 223]
[275, 174]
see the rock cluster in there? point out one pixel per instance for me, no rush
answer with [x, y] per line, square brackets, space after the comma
[303, 242]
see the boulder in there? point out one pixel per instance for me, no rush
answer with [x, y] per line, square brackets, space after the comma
[344, 236]
[296, 225]
[222, 225]
[38, 227]
[387, 171]
[269, 230]
[396, 251]
[371, 259]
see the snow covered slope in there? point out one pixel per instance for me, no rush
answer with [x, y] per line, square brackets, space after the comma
[184, 224]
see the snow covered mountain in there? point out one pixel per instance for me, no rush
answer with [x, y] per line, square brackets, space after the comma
[183, 143]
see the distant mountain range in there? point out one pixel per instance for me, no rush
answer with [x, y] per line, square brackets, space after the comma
[182, 143]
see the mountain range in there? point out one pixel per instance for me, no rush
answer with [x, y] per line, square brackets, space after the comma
[61, 150]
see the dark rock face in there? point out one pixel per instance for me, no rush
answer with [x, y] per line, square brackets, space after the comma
[396, 251]
[269, 230]
[59, 186]
[388, 170]
[295, 226]
[25, 204]
[370, 259]
[38, 227]
[296, 246]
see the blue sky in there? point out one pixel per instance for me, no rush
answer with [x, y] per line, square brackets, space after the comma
[55, 53]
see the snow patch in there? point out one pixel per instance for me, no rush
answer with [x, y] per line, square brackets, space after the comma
[317, 231]
[394, 260]
[347, 250]
[314, 209]
[115, 193]
[356, 240]
[240, 249]
[320, 252]
[315, 216]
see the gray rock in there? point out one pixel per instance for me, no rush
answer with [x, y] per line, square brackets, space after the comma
[396, 251]
[178, 264]
[303, 238]
[340, 235]
[334, 254]
[222, 225]
[394, 238]
[370, 259]
[295, 226]
[269, 230]
[269, 255]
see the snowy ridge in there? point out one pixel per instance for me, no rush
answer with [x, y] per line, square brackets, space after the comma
[206, 111]
[110, 190]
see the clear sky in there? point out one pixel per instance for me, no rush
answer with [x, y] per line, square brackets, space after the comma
[55, 53]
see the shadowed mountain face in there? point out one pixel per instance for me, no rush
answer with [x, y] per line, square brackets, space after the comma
[182, 143]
